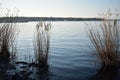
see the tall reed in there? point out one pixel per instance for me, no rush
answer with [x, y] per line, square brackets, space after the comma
[106, 41]
[7, 37]
[41, 44]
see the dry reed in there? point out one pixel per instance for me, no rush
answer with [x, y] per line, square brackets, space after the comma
[41, 44]
[7, 37]
[106, 41]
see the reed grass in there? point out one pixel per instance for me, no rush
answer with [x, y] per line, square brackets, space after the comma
[41, 44]
[106, 41]
[7, 38]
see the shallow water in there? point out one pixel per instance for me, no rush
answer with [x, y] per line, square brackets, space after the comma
[70, 57]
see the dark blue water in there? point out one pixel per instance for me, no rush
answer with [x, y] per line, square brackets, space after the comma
[70, 56]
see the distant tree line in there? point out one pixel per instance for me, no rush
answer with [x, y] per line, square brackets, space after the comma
[27, 19]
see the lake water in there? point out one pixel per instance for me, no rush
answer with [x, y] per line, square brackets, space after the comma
[70, 56]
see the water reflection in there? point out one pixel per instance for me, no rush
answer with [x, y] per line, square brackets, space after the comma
[43, 76]
[111, 73]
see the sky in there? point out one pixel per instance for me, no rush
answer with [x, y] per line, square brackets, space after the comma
[61, 8]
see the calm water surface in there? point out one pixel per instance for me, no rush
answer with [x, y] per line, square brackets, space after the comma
[69, 57]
